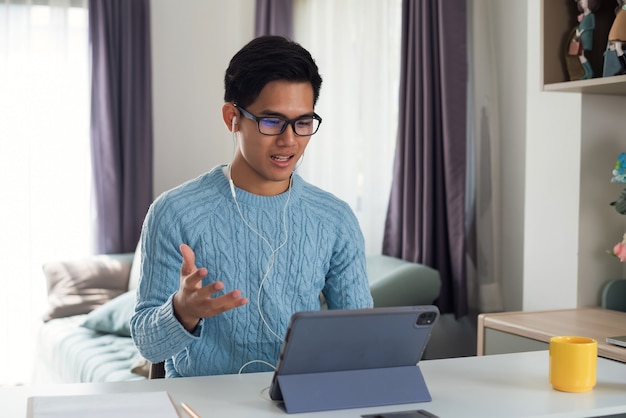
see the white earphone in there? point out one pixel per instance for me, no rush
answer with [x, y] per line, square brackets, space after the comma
[272, 257]
[232, 188]
[273, 250]
[230, 178]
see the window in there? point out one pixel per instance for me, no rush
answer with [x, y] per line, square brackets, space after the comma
[45, 167]
[356, 44]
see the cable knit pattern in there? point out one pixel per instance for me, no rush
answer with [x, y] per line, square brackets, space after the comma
[324, 252]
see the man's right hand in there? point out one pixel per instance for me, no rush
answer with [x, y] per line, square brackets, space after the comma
[193, 301]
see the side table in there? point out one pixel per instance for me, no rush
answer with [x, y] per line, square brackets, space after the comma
[510, 332]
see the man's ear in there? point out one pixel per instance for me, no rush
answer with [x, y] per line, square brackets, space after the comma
[229, 114]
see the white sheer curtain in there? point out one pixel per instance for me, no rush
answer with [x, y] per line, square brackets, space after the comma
[356, 44]
[484, 269]
[44, 162]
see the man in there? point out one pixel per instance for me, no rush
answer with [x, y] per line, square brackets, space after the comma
[257, 242]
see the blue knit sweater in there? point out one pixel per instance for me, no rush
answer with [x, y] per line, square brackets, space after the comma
[324, 252]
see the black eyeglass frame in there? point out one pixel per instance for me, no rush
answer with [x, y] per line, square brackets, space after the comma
[291, 122]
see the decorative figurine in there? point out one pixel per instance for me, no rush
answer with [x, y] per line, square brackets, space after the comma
[584, 32]
[617, 37]
[572, 50]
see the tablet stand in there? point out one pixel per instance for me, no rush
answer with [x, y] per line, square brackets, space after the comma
[311, 392]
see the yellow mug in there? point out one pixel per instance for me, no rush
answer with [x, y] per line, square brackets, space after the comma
[573, 363]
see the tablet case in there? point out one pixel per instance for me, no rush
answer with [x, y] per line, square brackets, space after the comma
[337, 359]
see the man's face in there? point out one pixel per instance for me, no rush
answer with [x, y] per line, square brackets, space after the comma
[263, 164]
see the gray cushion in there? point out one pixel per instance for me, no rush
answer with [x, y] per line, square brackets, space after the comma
[396, 282]
[79, 286]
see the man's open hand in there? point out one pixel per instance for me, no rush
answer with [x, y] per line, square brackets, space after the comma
[193, 301]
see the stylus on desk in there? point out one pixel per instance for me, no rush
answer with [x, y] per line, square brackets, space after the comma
[189, 410]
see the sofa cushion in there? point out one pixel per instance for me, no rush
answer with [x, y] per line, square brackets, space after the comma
[114, 316]
[69, 353]
[79, 286]
[396, 282]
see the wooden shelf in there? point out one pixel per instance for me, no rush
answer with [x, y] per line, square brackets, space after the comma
[604, 85]
[558, 19]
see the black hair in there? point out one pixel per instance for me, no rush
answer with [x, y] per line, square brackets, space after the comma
[266, 59]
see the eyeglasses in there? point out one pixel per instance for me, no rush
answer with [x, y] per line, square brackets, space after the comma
[276, 125]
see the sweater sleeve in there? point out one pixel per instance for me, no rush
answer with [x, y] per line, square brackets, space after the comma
[347, 286]
[156, 331]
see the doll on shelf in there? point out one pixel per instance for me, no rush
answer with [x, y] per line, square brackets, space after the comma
[584, 32]
[617, 34]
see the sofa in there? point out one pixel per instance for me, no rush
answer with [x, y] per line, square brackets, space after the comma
[85, 336]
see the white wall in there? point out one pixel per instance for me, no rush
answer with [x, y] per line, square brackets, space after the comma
[552, 185]
[572, 142]
[192, 43]
[556, 154]
[603, 137]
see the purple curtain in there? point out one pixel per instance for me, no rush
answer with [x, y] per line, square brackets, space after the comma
[426, 214]
[274, 17]
[121, 120]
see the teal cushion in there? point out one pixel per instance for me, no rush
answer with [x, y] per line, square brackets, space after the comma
[114, 316]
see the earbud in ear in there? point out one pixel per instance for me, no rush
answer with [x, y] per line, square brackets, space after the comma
[232, 189]
[234, 123]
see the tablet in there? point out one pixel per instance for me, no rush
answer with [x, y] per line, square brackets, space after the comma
[358, 340]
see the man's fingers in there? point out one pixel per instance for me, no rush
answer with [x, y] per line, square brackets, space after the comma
[189, 260]
[194, 280]
[201, 304]
[208, 291]
[190, 274]
[227, 302]
[201, 301]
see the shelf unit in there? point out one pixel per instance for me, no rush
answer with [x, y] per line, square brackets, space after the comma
[603, 85]
[558, 19]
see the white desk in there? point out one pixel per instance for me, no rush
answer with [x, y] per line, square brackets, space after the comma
[505, 385]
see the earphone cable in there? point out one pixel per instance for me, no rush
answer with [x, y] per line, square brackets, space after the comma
[272, 256]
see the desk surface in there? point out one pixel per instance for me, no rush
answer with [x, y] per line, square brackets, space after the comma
[597, 323]
[506, 385]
